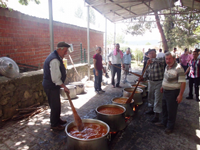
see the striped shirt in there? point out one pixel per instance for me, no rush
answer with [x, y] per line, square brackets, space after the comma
[155, 70]
[194, 68]
[173, 77]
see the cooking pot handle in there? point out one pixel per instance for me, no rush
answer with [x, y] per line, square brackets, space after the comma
[109, 137]
[81, 86]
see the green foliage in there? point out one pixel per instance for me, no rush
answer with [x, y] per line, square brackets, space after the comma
[197, 31]
[180, 29]
[92, 16]
[3, 3]
[78, 13]
[148, 43]
[138, 55]
[140, 25]
[119, 38]
[25, 2]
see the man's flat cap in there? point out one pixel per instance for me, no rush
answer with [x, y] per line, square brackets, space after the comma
[62, 44]
[151, 50]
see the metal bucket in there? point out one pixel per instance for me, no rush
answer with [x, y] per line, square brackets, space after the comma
[137, 96]
[80, 88]
[129, 107]
[143, 87]
[115, 122]
[72, 90]
[101, 143]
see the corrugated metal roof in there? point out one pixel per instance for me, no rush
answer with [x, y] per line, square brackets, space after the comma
[118, 10]
[195, 4]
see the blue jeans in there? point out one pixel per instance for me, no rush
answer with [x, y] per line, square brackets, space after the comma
[98, 80]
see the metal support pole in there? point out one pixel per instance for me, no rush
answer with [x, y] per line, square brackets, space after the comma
[51, 26]
[88, 40]
[84, 55]
[114, 33]
[105, 39]
[81, 52]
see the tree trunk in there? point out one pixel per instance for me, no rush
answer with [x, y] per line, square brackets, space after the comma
[164, 42]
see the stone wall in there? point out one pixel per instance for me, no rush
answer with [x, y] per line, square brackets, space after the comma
[27, 89]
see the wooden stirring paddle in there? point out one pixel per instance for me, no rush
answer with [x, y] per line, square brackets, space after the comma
[127, 71]
[77, 119]
[131, 97]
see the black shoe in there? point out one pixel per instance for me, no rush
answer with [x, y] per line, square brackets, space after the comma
[149, 112]
[197, 99]
[154, 119]
[59, 127]
[119, 86]
[102, 91]
[62, 122]
[107, 76]
[189, 97]
[159, 124]
[168, 131]
[97, 92]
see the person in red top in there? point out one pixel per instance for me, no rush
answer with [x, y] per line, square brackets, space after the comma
[98, 67]
[194, 76]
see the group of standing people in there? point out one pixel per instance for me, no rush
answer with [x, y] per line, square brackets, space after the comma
[166, 84]
[166, 74]
[118, 60]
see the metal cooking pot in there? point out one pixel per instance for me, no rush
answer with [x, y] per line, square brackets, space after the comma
[101, 143]
[115, 122]
[72, 90]
[129, 107]
[143, 87]
[145, 83]
[137, 96]
[80, 88]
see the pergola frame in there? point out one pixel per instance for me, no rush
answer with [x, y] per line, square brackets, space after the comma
[119, 10]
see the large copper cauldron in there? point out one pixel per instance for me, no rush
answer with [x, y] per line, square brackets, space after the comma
[116, 122]
[129, 107]
[137, 96]
[101, 143]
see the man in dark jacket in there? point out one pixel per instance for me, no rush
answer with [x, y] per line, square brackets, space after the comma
[53, 79]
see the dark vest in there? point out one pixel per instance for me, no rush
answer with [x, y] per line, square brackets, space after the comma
[47, 82]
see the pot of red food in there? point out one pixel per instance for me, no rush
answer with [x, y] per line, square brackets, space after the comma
[122, 101]
[113, 115]
[137, 96]
[95, 135]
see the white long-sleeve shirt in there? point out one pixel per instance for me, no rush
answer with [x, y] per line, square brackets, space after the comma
[160, 55]
[55, 71]
[116, 59]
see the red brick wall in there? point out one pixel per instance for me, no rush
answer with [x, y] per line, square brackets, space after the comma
[26, 39]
